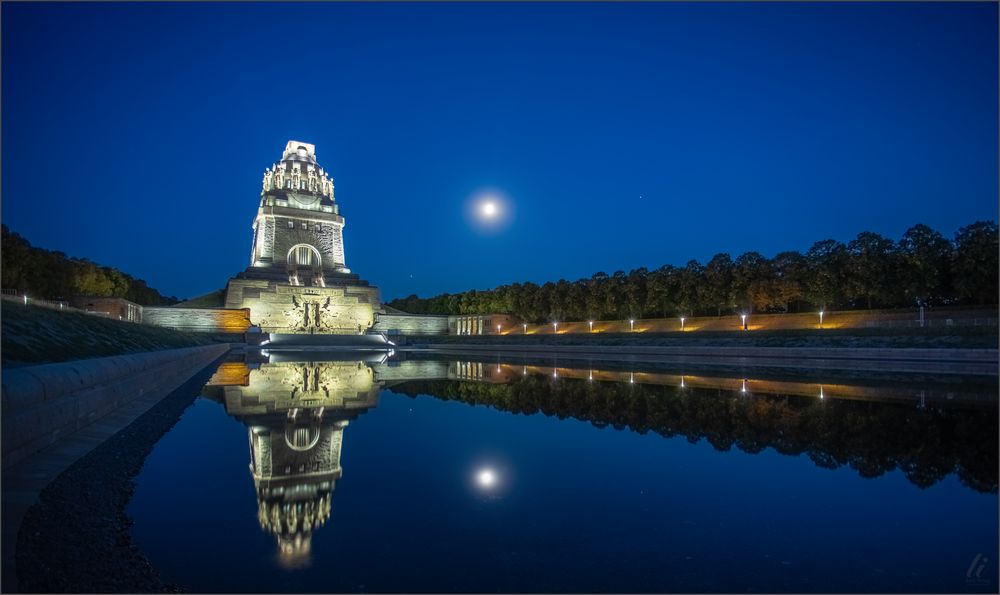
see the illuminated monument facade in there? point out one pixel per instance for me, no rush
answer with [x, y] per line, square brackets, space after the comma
[298, 280]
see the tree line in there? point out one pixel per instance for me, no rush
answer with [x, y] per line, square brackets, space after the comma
[52, 275]
[927, 445]
[871, 271]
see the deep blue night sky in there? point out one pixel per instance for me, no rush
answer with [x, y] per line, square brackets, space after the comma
[625, 135]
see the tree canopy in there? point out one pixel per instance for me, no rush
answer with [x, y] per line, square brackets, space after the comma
[53, 275]
[871, 271]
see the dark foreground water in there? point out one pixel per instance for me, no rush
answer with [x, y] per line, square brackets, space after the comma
[414, 476]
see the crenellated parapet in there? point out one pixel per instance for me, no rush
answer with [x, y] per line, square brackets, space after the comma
[298, 171]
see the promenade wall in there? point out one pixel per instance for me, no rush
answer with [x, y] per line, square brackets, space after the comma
[411, 324]
[842, 319]
[46, 403]
[218, 320]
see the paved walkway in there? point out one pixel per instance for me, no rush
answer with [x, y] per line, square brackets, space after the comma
[24, 481]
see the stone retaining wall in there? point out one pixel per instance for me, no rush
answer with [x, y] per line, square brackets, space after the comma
[219, 320]
[899, 318]
[411, 324]
[43, 404]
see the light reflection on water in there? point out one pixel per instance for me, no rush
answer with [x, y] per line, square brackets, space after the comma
[444, 497]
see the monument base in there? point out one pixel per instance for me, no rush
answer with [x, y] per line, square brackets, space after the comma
[342, 309]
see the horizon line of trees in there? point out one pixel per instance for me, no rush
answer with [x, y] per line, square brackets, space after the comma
[923, 268]
[49, 274]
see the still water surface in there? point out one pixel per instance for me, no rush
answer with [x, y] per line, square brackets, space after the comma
[296, 474]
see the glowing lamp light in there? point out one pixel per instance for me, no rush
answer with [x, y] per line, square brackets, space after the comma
[525, 325]
[591, 323]
[743, 317]
[682, 323]
[820, 319]
[555, 327]
[489, 209]
[631, 326]
[498, 329]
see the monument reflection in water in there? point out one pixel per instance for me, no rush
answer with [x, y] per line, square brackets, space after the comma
[295, 414]
[931, 431]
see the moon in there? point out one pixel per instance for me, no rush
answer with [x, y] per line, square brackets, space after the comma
[486, 478]
[489, 209]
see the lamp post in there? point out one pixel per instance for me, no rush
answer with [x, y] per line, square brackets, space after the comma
[525, 325]
[498, 329]
[820, 319]
[591, 323]
[631, 326]
[555, 327]
[682, 323]
[744, 318]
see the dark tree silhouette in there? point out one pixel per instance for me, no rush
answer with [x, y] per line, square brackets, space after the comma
[923, 268]
[53, 275]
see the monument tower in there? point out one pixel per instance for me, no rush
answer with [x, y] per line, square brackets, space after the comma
[298, 280]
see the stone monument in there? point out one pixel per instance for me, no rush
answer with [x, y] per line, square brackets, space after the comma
[298, 281]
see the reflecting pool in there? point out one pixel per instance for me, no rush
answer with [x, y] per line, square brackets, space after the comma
[310, 472]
